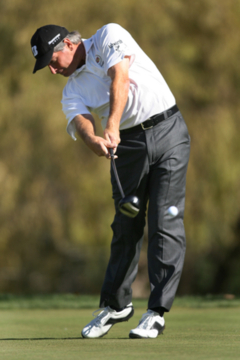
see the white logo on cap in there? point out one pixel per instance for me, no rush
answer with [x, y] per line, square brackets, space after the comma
[34, 50]
[56, 38]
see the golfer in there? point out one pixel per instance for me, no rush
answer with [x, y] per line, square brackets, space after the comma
[110, 75]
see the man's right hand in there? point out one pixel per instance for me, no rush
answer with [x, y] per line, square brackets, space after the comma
[85, 127]
[100, 146]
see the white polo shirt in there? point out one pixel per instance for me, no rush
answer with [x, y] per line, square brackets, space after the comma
[88, 88]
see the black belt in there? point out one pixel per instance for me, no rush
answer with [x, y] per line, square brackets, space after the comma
[152, 121]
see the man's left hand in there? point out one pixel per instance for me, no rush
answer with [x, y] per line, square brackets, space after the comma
[113, 137]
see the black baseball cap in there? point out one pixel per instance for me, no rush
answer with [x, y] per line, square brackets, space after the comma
[43, 42]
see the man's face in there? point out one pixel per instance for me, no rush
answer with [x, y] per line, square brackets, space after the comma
[62, 62]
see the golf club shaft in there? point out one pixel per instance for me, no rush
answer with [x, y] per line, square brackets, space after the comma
[115, 172]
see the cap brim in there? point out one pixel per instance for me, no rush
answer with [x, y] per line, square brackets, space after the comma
[43, 61]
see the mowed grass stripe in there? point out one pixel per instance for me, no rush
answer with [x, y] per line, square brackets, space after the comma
[75, 301]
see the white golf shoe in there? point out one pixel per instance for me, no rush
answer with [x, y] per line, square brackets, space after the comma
[150, 326]
[103, 322]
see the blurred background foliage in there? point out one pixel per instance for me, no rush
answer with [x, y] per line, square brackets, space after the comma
[55, 195]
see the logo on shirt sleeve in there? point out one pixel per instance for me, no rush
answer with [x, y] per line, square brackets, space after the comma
[117, 46]
[99, 60]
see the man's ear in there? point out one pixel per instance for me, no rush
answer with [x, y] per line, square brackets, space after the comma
[68, 43]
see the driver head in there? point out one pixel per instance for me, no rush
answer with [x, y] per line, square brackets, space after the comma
[129, 206]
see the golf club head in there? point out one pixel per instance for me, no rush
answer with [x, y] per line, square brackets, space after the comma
[129, 206]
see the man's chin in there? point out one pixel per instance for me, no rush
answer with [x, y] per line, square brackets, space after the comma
[66, 73]
[63, 74]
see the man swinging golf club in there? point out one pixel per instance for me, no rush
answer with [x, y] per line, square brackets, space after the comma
[109, 74]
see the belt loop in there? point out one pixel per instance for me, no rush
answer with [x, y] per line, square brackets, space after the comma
[165, 114]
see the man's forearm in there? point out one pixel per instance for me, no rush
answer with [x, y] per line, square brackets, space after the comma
[85, 127]
[118, 99]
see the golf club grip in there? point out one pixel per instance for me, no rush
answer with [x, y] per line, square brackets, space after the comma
[115, 172]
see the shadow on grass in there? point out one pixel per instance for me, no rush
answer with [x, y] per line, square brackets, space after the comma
[35, 339]
[51, 338]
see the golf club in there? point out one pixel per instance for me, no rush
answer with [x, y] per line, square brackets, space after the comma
[128, 205]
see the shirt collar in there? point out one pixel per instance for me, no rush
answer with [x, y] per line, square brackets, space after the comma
[87, 44]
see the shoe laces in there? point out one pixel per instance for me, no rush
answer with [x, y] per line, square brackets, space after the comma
[97, 321]
[146, 320]
[98, 317]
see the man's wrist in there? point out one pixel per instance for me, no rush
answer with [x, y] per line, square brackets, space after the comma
[88, 138]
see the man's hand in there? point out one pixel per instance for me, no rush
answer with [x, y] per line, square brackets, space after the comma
[85, 127]
[100, 146]
[113, 136]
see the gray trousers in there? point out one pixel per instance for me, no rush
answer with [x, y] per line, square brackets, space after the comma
[152, 165]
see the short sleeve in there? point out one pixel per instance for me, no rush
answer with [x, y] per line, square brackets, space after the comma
[115, 44]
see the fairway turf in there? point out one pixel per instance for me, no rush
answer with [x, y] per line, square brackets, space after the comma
[191, 333]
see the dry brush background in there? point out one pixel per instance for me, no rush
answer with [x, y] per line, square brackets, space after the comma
[55, 195]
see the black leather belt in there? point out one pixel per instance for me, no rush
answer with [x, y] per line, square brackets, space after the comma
[152, 121]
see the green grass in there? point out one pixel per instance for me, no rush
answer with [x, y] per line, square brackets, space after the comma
[74, 301]
[49, 327]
